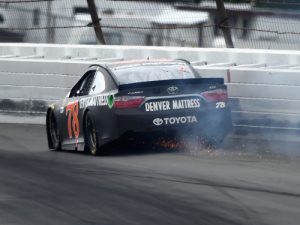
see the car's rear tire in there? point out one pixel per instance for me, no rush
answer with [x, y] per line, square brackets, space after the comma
[212, 141]
[54, 141]
[90, 137]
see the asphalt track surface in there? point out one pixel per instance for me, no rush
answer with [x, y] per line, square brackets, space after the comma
[141, 185]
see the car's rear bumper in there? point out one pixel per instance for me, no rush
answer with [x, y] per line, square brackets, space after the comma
[206, 122]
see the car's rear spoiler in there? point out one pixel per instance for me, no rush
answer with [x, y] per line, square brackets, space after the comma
[206, 81]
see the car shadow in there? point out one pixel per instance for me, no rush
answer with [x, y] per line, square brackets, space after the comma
[130, 148]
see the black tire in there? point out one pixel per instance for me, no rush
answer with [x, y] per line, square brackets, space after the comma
[90, 137]
[212, 141]
[54, 141]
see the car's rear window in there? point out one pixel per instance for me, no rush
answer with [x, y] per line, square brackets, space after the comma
[152, 72]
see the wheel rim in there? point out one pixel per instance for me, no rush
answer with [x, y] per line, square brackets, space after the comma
[92, 136]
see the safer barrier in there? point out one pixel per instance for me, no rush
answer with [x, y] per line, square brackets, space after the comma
[263, 85]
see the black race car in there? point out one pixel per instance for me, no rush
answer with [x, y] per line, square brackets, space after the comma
[132, 97]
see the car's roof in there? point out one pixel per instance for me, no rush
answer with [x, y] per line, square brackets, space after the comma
[143, 62]
[136, 63]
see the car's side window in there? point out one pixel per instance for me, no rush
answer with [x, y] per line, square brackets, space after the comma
[110, 84]
[98, 84]
[83, 86]
[86, 85]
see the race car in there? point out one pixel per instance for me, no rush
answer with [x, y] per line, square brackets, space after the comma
[127, 98]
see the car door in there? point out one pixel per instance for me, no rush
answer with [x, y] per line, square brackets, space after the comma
[102, 89]
[72, 131]
[97, 101]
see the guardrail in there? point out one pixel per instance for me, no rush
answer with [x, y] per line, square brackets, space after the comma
[263, 85]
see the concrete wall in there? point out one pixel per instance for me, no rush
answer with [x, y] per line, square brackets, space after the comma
[263, 85]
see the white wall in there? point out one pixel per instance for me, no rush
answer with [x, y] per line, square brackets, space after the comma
[263, 85]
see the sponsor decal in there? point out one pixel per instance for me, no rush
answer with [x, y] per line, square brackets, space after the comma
[110, 101]
[220, 105]
[73, 122]
[99, 100]
[172, 105]
[186, 104]
[175, 120]
[158, 121]
[157, 106]
[173, 90]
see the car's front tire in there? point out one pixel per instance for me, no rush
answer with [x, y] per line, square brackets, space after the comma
[53, 134]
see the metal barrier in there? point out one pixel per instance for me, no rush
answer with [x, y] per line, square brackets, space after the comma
[263, 85]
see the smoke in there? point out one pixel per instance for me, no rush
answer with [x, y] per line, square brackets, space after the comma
[268, 139]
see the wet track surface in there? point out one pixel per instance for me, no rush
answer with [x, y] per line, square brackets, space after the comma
[141, 185]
